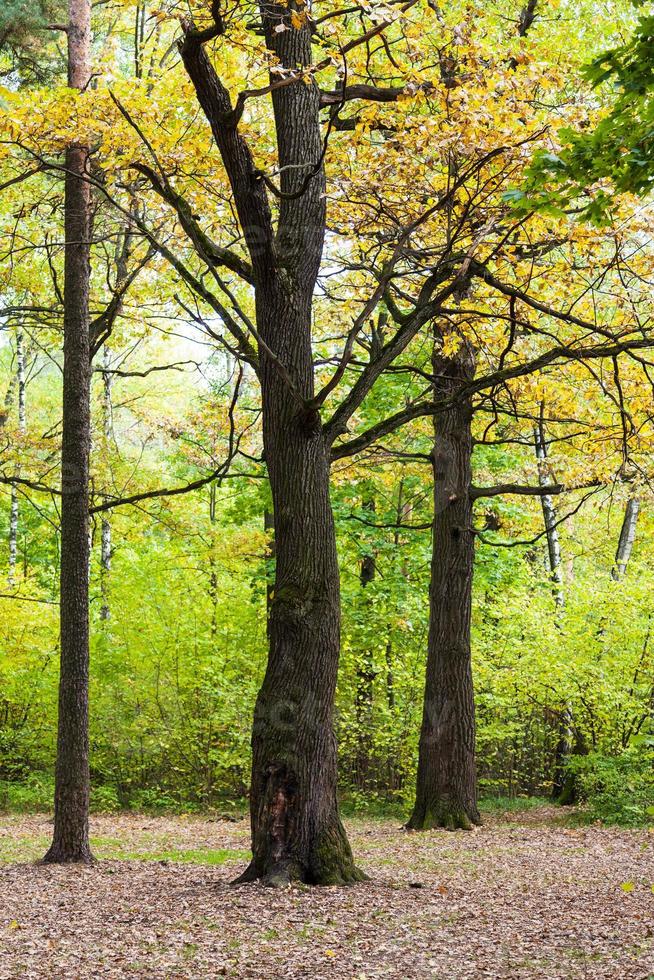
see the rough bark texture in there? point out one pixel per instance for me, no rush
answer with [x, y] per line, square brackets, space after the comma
[446, 793]
[296, 828]
[70, 840]
[269, 528]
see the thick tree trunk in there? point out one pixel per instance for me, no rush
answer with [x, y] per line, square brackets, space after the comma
[627, 538]
[446, 793]
[269, 528]
[296, 829]
[71, 818]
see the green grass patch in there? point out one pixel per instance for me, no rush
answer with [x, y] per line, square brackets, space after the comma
[511, 804]
[15, 849]
[197, 856]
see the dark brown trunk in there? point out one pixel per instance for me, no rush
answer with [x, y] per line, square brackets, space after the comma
[446, 793]
[365, 674]
[71, 817]
[296, 829]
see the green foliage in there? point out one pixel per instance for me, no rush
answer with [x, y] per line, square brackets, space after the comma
[616, 155]
[25, 38]
[618, 789]
[204, 856]
[32, 794]
[176, 668]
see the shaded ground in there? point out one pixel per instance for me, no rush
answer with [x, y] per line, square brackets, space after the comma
[523, 896]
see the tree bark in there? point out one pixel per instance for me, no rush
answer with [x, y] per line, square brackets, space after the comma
[549, 519]
[269, 528]
[446, 792]
[627, 538]
[296, 829]
[22, 426]
[72, 784]
[105, 540]
[365, 674]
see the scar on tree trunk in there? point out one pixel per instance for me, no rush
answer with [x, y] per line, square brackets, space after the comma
[279, 858]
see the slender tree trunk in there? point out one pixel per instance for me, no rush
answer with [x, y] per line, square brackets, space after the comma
[365, 679]
[71, 818]
[562, 780]
[105, 541]
[22, 427]
[549, 519]
[627, 537]
[446, 793]
[269, 527]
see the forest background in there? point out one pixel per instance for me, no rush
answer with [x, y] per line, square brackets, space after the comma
[180, 584]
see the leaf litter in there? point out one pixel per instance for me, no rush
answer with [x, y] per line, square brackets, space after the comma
[523, 896]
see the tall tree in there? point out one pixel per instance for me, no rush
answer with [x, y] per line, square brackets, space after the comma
[386, 241]
[296, 828]
[70, 841]
[446, 791]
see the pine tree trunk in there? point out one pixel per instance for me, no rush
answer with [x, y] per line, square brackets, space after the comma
[71, 817]
[446, 793]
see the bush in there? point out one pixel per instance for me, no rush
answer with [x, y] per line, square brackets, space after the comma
[618, 789]
[104, 799]
[36, 794]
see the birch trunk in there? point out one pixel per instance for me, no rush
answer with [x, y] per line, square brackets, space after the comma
[22, 428]
[627, 538]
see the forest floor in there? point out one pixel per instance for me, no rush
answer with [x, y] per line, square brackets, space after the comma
[523, 896]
